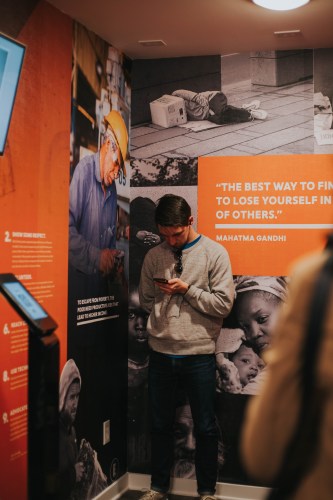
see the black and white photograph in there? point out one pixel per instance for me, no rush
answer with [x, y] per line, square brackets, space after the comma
[240, 368]
[164, 171]
[246, 333]
[138, 445]
[246, 104]
[80, 474]
[322, 101]
[98, 249]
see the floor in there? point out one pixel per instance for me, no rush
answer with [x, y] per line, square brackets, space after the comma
[288, 128]
[135, 495]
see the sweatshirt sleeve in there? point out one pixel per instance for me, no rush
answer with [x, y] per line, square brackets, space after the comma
[218, 301]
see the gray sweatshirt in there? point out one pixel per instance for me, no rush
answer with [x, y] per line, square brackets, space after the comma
[187, 324]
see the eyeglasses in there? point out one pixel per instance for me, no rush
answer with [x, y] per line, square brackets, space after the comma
[179, 263]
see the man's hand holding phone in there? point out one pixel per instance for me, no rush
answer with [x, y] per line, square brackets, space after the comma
[172, 286]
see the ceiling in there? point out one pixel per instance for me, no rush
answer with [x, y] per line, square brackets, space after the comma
[201, 27]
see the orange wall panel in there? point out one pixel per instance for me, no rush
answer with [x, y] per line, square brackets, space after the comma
[34, 217]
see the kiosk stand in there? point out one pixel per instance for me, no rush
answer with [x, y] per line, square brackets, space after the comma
[43, 390]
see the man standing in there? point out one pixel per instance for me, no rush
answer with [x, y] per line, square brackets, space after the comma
[93, 203]
[187, 287]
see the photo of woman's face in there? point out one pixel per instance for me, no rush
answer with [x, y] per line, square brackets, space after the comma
[256, 314]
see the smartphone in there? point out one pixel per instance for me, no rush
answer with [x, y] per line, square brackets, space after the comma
[160, 280]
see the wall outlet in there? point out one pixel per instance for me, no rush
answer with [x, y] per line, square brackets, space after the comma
[106, 431]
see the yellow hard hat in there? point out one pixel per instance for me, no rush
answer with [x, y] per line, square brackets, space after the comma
[116, 122]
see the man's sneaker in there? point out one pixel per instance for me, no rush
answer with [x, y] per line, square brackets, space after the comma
[154, 495]
[258, 114]
[208, 497]
[251, 105]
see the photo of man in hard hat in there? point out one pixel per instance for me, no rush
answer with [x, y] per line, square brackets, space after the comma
[93, 204]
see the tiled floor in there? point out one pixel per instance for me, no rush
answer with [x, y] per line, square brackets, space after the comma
[288, 128]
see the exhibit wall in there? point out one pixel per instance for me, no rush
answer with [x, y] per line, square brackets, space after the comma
[34, 177]
[262, 187]
[70, 80]
[254, 161]
[98, 228]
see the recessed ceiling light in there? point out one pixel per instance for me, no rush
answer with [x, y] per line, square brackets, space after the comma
[287, 34]
[280, 4]
[152, 43]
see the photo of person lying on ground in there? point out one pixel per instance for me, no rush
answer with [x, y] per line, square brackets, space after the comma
[213, 105]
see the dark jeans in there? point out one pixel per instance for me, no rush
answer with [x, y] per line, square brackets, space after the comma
[197, 376]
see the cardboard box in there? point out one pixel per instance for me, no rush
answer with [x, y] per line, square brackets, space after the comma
[168, 111]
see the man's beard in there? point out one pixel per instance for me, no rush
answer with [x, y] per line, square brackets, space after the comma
[184, 464]
[184, 468]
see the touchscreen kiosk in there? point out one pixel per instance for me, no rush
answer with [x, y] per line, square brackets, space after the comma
[25, 304]
[43, 389]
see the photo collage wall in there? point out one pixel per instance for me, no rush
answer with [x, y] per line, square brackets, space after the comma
[252, 156]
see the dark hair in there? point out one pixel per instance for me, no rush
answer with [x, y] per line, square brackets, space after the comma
[172, 210]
